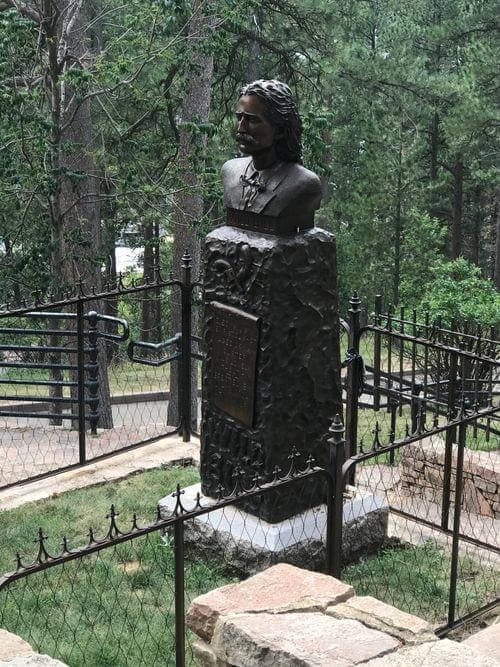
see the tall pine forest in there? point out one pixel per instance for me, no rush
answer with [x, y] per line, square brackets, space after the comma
[115, 119]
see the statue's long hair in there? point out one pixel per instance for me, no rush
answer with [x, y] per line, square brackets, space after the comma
[282, 113]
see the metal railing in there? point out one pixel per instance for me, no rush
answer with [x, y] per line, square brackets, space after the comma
[161, 556]
[411, 389]
[76, 366]
[421, 395]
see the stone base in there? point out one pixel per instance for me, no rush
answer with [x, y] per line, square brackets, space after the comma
[247, 544]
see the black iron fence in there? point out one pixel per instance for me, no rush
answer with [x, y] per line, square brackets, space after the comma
[88, 375]
[121, 599]
[421, 441]
[422, 435]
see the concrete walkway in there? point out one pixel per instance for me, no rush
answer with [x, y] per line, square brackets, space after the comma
[164, 451]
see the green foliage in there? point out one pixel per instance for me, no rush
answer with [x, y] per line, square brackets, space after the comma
[70, 514]
[371, 79]
[423, 244]
[456, 292]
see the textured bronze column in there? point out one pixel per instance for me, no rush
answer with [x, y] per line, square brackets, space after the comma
[272, 373]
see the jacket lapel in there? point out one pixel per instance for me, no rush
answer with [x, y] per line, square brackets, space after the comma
[269, 193]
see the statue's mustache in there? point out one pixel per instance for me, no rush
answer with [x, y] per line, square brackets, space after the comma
[240, 136]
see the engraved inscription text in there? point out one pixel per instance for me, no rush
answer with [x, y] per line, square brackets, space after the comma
[231, 382]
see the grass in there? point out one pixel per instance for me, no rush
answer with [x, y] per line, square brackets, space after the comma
[71, 513]
[111, 608]
[480, 439]
[476, 439]
[416, 579]
[115, 608]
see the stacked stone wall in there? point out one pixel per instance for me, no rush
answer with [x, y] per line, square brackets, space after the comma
[422, 473]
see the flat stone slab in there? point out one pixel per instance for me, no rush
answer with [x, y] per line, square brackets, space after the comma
[12, 646]
[281, 588]
[162, 452]
[441, 653]
[296, 640]
[486, 641]
[381, 616]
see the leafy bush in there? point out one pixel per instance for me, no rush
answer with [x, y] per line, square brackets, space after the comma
[457, 292]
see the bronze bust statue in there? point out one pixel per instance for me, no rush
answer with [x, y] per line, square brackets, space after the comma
[270, 180]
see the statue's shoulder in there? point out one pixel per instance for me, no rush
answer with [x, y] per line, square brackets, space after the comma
[299, 191]
[236, 166]
[304, 178]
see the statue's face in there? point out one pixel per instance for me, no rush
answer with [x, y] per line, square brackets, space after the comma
[254, 133]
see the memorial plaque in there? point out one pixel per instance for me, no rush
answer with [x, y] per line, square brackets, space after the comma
[231, 381]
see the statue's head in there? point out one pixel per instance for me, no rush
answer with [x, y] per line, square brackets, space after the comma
[281, 112]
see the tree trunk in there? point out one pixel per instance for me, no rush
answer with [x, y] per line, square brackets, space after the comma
[108, 241]
[157, 310]
[457, 216]
[254, 50]
[149, 270]
[434, 146]
[496, 272]
[189, 201]
[76, 223]
[151, 299]
[433, 163]
[476, 226]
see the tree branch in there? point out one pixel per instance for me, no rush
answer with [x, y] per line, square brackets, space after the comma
[23, 8]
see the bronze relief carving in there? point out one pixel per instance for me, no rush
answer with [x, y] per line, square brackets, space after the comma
[234, 267]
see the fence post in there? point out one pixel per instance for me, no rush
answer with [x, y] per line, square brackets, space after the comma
[377, 354]
[352, 386]
[394, 404]
[462, 432]
[180, 629]
[415, 405]
[449, 439]
[335, 503]
[185, 374]
[80, 328]
[93, 382]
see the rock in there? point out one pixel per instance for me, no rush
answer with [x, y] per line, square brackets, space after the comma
[481, 474]
[205, 657]
[296, 640]
[484, 485]
[376, 614]
[487, 641]
[474, 501]
[34, 660]
[243, 558]
[364, 535]
[280, 588]
[443, 653]
[12, 646]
